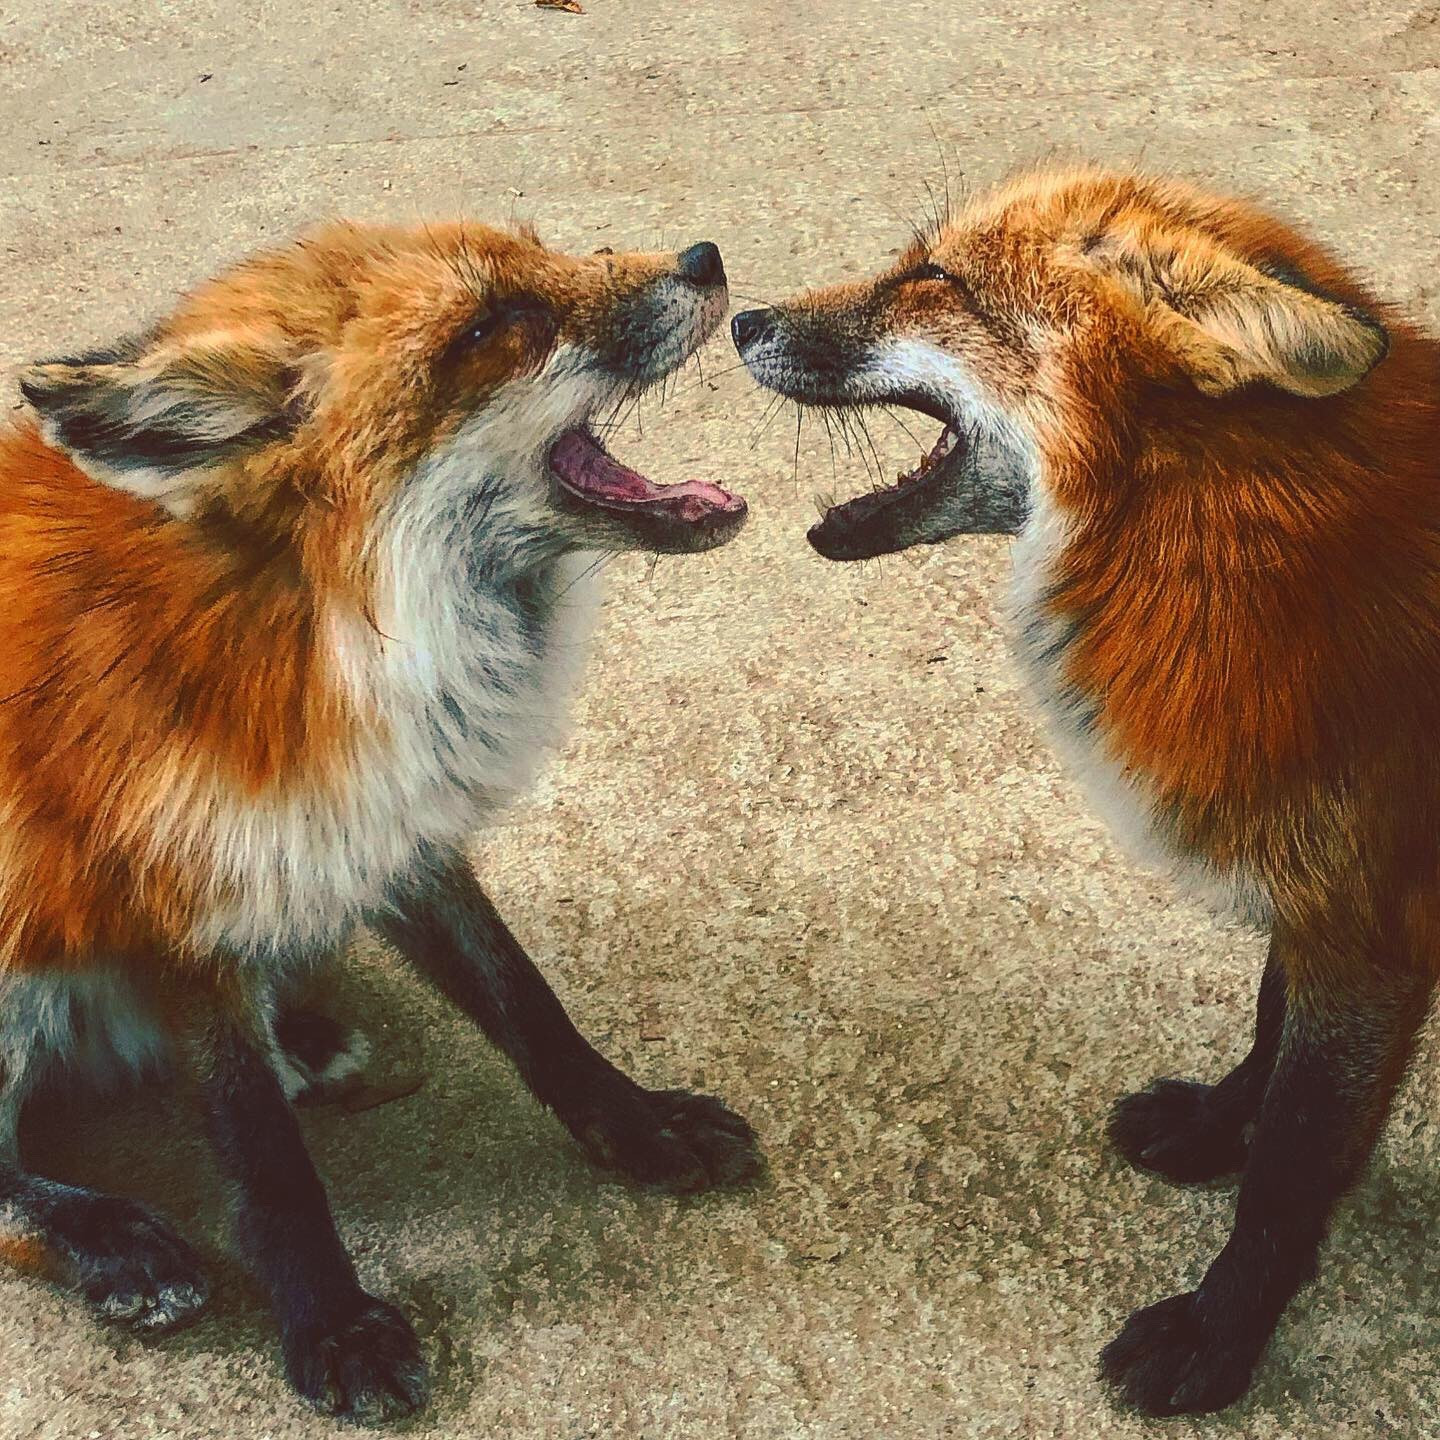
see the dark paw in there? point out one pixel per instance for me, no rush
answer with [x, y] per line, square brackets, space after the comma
[1173, 1128]
[1165, 1362]
[320, 1059]
[366, 1368]
[128, 1263]
[672, 1140]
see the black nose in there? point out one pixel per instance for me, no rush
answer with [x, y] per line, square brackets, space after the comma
[701, 265]
[749, 325]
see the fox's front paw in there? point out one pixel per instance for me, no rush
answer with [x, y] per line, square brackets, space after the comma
[366, 1367]
[1174, 1129]
[1165, 1361]
[672, 1140]
[126, 1261]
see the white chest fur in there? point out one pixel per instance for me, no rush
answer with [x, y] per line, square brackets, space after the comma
[1116, 791]
[468, 686]
[463, 682]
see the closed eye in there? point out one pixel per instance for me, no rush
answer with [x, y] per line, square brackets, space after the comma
[483, 325]
[929, 270]
[957, 288]
[492, 319]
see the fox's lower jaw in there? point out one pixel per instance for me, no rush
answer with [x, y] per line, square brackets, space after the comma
[972, 482]
[616, 507]
[975, 480]
[892, 517]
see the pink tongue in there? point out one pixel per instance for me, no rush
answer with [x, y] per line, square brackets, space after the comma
[588, 470]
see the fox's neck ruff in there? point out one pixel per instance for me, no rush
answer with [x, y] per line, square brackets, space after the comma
[1047, 636]
[459, 680]
[287, 744]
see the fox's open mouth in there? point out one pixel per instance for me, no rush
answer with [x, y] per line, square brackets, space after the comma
[886, 519]
[977, 478]
[691, 515]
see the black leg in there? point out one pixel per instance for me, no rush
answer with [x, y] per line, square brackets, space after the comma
[442, 921]
[346, 1352]
[1187, 1131]
[1342, 1052]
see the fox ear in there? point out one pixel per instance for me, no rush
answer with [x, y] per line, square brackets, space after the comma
[1275, 332]
[1231, 324]
[147, 420]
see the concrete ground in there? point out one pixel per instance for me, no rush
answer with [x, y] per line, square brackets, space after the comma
[807, 848]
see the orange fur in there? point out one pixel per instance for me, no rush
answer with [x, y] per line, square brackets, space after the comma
[27, 1255]
[1250, 490]
[117, 627]
[1254, 577]
[142, 644]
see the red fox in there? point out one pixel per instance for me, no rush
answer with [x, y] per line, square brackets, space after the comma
[1221, 456]
[292, 591]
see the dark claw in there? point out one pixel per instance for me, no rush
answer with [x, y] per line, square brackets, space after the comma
[672, 1140]
[131, 1267]
[366, 1368]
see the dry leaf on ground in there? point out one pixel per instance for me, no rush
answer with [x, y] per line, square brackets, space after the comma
[574, 7]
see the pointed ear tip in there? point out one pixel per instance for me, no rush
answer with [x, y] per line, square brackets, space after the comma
[46, 376]
[1369, 345]
[1379, 339]
[37, 382]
